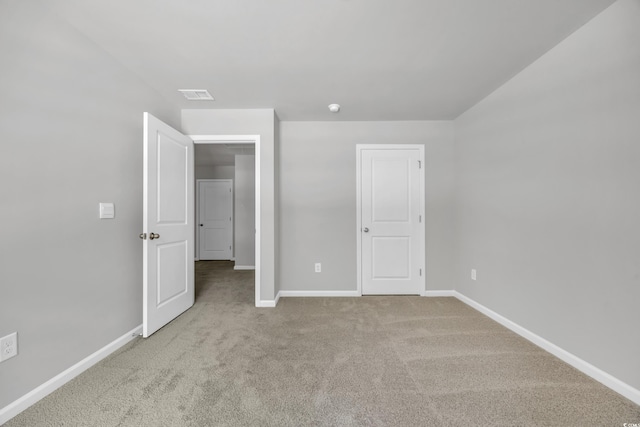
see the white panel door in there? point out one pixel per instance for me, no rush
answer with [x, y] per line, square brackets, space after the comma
[392, 230]
[168, 225]
[215, 199]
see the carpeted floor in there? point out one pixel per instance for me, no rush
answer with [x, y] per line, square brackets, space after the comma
[371, 361]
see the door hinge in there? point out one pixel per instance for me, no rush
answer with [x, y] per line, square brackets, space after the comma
[421, 272]
[419, 218]
[229, 247]
[229, 218]
[419, 164]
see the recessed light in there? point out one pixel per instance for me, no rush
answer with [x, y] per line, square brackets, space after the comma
[196, 94]
[334, 108]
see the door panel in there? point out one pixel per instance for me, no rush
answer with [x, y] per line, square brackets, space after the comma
[391, 257]
[392, 234]
[215, 240]
[216, 219]
[390, 190]
[168, 261]
[172, 269]
[171, 175]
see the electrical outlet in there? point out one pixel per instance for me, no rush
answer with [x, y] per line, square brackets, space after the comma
[8, 346]
[318, 267]
[473, 274]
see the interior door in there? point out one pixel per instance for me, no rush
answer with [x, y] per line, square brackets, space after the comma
[215, 215]
[392, 228]
[168, 225]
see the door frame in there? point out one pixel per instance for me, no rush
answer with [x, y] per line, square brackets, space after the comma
[359, 149]
[243, 139]
[197, 208]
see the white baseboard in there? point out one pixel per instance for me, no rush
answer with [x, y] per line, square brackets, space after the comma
[319, 294]
[269, 303]
[244, 267]
[597, 374]
[266, 303]
[277, 298]
[438, 294]
[62, 378]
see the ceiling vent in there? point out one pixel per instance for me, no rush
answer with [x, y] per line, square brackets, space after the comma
[196, 94]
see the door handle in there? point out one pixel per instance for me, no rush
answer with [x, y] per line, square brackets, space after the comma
[366, 230]
[153, 236]
[143, 236]
[201, 225]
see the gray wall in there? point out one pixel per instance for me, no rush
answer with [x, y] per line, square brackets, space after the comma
[318, 199]
[214, 172]
[70, 137]
[245, 210]
[548, 178]
[249, 122]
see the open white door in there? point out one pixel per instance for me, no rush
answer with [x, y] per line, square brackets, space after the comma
[168, 225]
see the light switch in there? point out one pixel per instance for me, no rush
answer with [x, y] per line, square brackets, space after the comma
[107, 210]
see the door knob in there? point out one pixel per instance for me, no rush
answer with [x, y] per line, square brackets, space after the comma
[201, 225]
[366, 230]
[153, 236]
[143, 236]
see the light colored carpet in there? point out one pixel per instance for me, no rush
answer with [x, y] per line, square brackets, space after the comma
[371, 361]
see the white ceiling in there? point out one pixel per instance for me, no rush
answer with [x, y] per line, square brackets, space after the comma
[379, 59]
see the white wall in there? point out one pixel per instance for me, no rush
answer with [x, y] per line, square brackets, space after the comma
[245, 209]
[249, 122]
[318, 199]
[548, 178]
[70, 137]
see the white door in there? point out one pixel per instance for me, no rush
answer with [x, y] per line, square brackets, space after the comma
[215, 199]
[391, 226]
[168, 225]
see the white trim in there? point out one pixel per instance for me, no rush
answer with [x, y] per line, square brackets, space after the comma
[266, 303]
[358, 219]
[597, 374]
[319, 293]
[439, 294]
[40, 392]
[224, 139]
[244, 267]
[245, 139]
[359, 149]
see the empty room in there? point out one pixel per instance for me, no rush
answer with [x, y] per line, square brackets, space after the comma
[337, 212]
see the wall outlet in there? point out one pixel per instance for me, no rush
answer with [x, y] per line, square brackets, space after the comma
[8, 346]
[318, 267]
[473, 274]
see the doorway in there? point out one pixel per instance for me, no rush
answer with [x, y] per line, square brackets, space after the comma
[238, 141]
[390, 219]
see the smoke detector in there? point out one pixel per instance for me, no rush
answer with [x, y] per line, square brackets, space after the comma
[334, 108]
[196, 94]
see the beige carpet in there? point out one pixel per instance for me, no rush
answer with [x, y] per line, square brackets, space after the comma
[371, 361]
